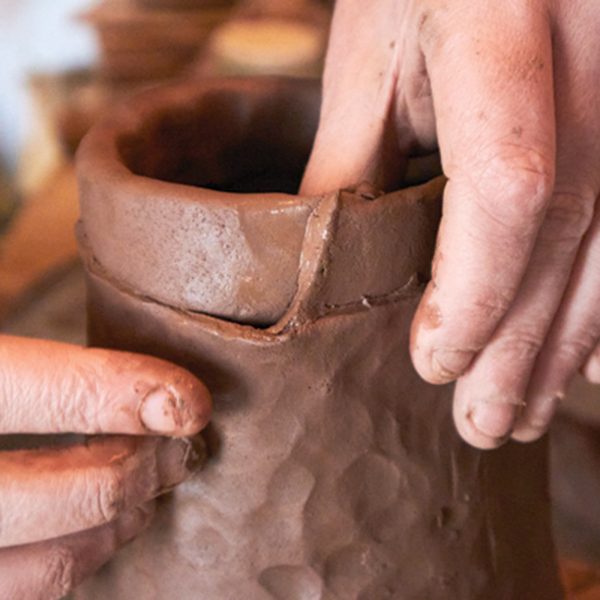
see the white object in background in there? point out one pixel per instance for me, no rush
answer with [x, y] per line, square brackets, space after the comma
[35, 36]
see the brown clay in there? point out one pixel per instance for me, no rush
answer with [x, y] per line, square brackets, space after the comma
[181, 4]
[335, 472]
[149, 41]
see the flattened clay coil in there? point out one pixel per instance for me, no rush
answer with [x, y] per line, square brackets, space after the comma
[336, 472]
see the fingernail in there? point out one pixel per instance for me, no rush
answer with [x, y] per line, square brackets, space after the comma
[450, 364]
[177, 460]
[160, 412]
[545, 409]
[535, 422]
[591, 368]
[495, 419]
[197, 453]
[134, 521]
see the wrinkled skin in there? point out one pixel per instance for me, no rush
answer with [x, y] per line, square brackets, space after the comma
[510, 93]
[65, 511]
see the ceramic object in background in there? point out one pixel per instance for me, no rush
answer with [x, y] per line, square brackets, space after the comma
[182, 4]
[335, 471]
[138, 43]
[268, 46]
[268, 37]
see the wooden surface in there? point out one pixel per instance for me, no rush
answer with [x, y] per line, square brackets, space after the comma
[41, 238]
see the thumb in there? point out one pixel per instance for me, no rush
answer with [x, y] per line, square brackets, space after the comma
[52, 387]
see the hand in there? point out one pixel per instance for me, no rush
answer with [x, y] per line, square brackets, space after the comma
[65, 510]
[510, 92]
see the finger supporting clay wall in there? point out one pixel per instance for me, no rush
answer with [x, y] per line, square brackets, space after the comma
[335, 472]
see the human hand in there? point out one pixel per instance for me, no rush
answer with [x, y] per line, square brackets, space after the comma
[65, 510]
[510, 92]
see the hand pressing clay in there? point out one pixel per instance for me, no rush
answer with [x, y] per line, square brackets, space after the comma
[335, 472]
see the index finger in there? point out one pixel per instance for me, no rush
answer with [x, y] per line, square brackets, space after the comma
[490, 66]
[52, 387]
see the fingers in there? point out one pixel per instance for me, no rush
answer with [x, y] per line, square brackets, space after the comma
[492, 397]
[51, 387]
[591, 368]
[509, 236]
[576, 326]
[53, 492]
[490, 66]
[367, 116]
[48, 570]
[571, 343]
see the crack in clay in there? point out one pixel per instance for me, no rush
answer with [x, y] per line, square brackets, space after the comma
[410, 288]
[322, 422]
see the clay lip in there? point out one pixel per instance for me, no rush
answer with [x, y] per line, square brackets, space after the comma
[100, 155]
[196, 238]
[151, 216]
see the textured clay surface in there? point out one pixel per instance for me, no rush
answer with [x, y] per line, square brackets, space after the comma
[335, 472]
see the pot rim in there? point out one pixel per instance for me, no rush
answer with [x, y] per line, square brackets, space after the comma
[215, 252]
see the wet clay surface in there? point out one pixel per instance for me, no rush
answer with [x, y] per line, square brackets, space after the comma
[222, 134]
[334, 470]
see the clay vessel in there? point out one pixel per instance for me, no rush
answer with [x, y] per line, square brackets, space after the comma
[334, 471]
[150, 41]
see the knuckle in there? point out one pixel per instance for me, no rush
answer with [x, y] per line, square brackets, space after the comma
[523, 345]
[576, 350]
[490, 304]
[515, 184]
[568, 217]
[81, 406]
[59, 572]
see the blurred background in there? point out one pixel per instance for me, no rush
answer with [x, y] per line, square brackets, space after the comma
[35, 36]
[64, 62]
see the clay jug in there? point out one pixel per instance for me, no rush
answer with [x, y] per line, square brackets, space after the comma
[334, 471]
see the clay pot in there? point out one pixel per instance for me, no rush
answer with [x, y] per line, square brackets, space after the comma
[138, 44]
[182, 4]
[335, 472]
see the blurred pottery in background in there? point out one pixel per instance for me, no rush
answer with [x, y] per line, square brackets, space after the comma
[149, 40]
